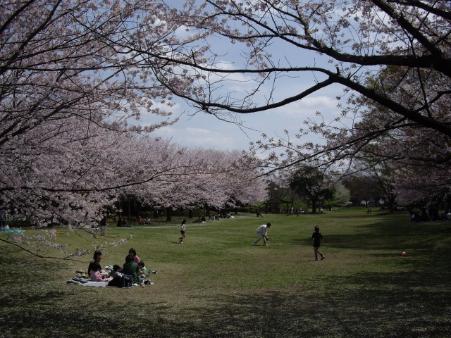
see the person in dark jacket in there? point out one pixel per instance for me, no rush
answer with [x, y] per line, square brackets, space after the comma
[130, 268]
[316, 239]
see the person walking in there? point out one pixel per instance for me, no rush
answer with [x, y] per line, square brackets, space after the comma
[317, 237]
[182, 232]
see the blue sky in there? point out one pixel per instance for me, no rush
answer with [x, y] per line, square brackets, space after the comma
[203, 130]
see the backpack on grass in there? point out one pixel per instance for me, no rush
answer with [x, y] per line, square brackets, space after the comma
[121, 281]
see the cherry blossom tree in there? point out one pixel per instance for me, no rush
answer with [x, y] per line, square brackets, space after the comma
[409, 161]
[57, 75]
[73, 90]
[390, 57]
[72, 177]
[68, 92]
[75, 75]
[340, 42]
[205, 178]
[62, 59]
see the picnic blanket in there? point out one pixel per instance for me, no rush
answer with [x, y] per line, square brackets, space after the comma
[117, 279]
[83, 280]
[87, 282]
[13, 231]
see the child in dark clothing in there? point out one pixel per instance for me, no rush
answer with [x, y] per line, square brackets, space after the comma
[317, 238]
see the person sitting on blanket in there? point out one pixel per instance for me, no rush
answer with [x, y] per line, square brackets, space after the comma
[131, 268]
[135, 257]
[95, 264]
[95, 269]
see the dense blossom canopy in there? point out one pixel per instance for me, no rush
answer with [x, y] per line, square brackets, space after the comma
[72, 94]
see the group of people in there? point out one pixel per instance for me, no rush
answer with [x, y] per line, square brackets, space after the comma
[262, 235]
[133, 271]
[317, 237]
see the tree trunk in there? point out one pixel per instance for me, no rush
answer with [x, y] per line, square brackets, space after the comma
[129, 212]
[314, 206]
[391, 202]
[168, 214]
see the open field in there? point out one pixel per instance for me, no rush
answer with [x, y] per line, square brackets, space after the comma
[218, 285]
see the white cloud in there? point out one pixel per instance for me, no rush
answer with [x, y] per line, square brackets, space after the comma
[238, 77]
[198, 131]
[184, 33]
[166, 131]
[308, 106]
[237, 83]
[198, 137]
[318, 101]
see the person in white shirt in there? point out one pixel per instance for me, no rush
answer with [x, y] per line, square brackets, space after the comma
[182, 232]
[262, 233]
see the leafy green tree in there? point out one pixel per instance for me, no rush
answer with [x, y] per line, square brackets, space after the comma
[310, 184]
[280, 197]
[341, 196]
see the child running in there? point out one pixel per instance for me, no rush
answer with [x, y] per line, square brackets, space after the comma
[182, 232]
[262, 233]
[317, 238]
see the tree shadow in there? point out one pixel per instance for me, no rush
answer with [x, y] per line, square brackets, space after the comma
[391, 233]
[414, 303]
[370, 309]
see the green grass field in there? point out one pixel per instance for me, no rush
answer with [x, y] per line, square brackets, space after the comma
[218, 285]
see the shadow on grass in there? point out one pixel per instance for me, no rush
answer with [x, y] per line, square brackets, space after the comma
[410, 304]
[393, 232]
[413, 303]
[356, 313]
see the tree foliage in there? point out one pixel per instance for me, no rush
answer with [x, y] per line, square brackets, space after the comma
[312, 185]
[344, 43]
[72, 95]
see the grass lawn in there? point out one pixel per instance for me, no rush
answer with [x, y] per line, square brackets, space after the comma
[218, 285]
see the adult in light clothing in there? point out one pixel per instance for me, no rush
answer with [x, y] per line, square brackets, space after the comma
[262, 233]
[182, 232]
